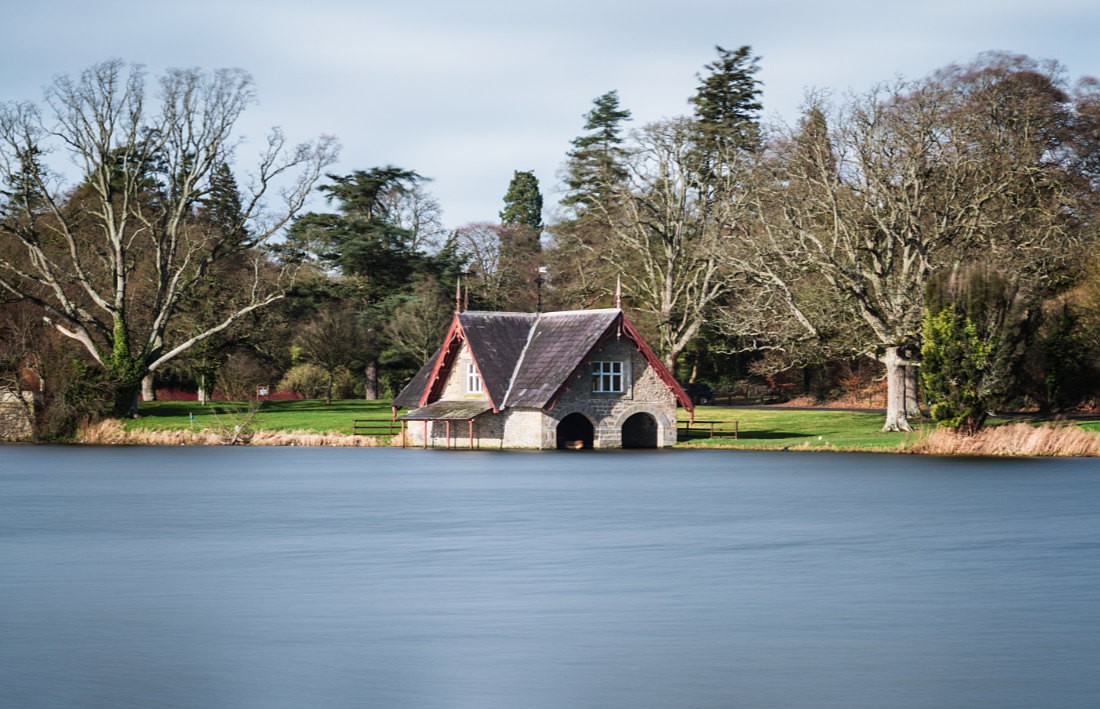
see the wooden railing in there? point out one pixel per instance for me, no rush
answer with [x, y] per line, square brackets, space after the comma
[374, 427]
[708, 429]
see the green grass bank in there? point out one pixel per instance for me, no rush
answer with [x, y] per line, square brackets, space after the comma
[760, 428]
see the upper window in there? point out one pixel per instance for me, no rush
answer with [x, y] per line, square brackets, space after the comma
[607, 377]
[473, 379]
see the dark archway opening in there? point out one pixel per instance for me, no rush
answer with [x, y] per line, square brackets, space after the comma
[640, 431]
[576, 431]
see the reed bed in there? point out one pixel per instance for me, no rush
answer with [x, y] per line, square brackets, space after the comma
[111, 432]
[1017, 439]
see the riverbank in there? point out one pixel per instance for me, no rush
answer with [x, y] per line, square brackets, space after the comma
[113, 432]
[313, 423]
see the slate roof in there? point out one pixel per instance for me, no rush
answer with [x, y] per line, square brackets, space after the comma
[524, 359]
[497, 342]
[559, 343]
[409, 397]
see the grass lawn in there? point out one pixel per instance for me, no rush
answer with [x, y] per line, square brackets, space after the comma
[1093, 426]
[306, 415]
[761, 428]
[777, 428]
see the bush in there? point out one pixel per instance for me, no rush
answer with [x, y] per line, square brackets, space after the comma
[77, 395]
[311, 382]
[306, 380]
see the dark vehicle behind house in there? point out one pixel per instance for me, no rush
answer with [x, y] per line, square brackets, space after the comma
[701, 394]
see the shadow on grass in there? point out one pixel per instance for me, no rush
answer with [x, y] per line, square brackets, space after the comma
[747, 436]
[771, 435]
[168, 408]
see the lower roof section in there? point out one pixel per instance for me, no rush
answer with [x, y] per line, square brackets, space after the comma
[447, 411]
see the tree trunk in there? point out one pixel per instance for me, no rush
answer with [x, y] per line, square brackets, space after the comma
[370, 381]
[126, 400]
[895, 391]
[202, 390]
[148, 388]
[912, 391]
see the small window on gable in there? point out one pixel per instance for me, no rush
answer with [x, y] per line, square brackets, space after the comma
[473, 379]
[607, 378]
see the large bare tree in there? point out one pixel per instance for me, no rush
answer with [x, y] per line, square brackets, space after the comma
[669, 229]
[108, 261]
[876, 195]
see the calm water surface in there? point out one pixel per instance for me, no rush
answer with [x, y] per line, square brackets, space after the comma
[219, 577]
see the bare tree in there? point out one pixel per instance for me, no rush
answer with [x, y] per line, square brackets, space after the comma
[334, 339]
[876, 196]
[479, 245]
[669, 230]
[418, 325]
[109, 261]
[418, 212]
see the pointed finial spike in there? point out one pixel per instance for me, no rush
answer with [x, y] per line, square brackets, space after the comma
[619, 292]
[458, 295]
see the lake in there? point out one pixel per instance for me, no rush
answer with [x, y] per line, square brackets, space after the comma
[297, 577]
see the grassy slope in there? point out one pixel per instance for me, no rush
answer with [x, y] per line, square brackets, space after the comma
[760, 428]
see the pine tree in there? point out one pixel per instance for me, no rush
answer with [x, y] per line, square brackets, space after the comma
[520, 240]
[727, 102]
[222, 207]
[523, 202]
[595, 163]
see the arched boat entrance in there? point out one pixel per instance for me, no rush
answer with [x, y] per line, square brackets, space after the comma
[640, 431]
[576, 431]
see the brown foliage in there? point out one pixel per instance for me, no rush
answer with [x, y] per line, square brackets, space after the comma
[111, 432]
[1018, 439]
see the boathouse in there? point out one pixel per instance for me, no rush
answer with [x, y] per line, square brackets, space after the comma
[570, 379]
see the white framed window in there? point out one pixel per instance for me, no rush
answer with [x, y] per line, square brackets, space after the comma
[473, 379]
[607, 378]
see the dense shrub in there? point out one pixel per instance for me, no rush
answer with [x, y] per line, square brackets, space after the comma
[311, 382]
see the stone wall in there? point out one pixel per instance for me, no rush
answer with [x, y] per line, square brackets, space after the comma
[645, 393]
[16, 416]
[528, 428]
[515, 428]
[454, 389]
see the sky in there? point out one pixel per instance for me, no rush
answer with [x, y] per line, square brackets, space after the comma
[466, 93]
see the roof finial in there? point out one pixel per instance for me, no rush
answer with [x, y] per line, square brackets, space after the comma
[619, 292]
[540, 278]
[458, 295]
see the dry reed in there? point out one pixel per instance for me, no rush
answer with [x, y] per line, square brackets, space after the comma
[1017, 439]
[111, 432]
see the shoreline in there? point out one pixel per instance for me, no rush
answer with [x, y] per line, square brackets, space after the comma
[1017, 440]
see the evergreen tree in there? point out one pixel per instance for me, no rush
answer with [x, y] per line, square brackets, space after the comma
[595, 162]
[372, 254]
[222, 207]
[520, 241]
[973, 328]
[361, 240]
[727, 102]
[23, 193]
[523, 202]
[594, 176]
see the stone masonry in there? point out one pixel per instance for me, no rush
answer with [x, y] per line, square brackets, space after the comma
[16, 415]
